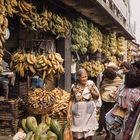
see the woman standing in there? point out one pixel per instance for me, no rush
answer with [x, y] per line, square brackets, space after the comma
[111, 81]
[83, 106]
[129, 99]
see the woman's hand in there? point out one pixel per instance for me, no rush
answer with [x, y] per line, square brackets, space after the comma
[69, 117]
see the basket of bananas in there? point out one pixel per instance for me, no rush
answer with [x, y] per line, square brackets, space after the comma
[40, 101]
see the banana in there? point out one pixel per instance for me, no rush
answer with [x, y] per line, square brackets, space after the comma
[19, 6]
[22, 21]
[58, 57]
[29, 60]
[1, 19]
[23, 7]
[14, 3]
[28, 6]
[31, 68]
[9, 9]
[2, 39]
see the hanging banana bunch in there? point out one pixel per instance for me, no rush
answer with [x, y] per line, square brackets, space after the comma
[10, 6]
[95, 39]
[80, 40]
[105, 46]
[93, 68]
[129, 51]
[120, 46]
[40, 64]
[3, 28]
[112, 43]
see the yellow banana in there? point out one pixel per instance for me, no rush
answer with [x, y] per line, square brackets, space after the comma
[29, 59]
[31, 68]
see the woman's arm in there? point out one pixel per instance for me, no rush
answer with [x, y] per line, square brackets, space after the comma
[69, 115]
[94, 92]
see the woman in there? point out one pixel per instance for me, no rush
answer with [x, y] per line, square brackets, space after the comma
[129, 99]
[83, 106]
[109, 85]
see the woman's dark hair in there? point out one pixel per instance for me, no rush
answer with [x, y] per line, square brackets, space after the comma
[132, 79]
[127, 65]
[137, 64]
[109, 73]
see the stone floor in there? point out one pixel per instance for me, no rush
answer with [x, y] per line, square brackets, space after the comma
[100, 137]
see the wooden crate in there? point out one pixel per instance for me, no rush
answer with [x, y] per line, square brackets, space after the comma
[12, 109]
[20, 89]
[9, 127]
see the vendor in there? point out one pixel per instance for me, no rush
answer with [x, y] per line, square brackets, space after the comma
[6, 77]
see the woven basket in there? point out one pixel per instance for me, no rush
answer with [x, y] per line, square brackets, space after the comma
[61, 120]
[38, 111]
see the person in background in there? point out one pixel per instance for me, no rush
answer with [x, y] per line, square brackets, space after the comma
[73, 68]
[126, 66]
[82, 107]
[128, 98]
[7, 78]
[136, 64]
[110, 82]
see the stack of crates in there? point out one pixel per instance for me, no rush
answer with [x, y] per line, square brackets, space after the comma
[11, 112]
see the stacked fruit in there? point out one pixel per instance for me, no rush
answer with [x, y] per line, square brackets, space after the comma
[120, 46]
[95, 39]
[60, 107]
[40, 101]
[80, 36]
[93, 68]
[43, 64]
[48, 130]
[3, 28]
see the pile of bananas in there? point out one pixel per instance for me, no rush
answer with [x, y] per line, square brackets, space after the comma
[3, 27]
[59, 109]
[112, 43]
[93, 68]
[40, 101]
[37, 64]
[10, 6]
[120, 46]
[80, 40]
[95, 39]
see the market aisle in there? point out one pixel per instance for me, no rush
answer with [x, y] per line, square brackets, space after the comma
[102, 137]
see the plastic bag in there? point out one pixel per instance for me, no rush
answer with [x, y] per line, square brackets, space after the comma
[67, 132]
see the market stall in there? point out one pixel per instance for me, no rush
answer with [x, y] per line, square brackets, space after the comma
[38, 52]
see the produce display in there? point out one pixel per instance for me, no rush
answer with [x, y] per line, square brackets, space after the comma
[80, 36]
[120, 46]
[55, 100]
[48, 130]
[93, 68]
[46, 21]
[112, 43]
[10, 6]
[105, 46]
[129, 51]
[95, 39]
[49, 64]
[40, 101]
[59, 109]
[3, 27]
[29, 18]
